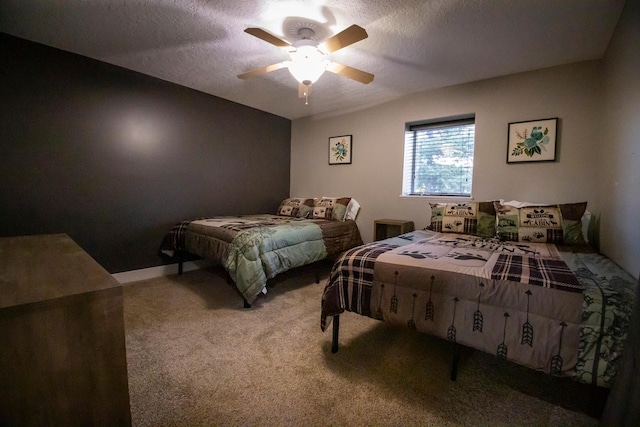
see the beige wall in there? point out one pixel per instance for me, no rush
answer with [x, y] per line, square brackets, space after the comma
[571, 93]
[597, 102]
[619, 154]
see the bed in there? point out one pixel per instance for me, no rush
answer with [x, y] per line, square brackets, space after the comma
[518, 282]
[255, 248]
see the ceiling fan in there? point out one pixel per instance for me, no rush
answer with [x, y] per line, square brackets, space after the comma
[309, 59]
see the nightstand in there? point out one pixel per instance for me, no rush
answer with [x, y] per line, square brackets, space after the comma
[385, 228]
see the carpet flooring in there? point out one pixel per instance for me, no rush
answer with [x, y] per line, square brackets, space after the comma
[196, 357]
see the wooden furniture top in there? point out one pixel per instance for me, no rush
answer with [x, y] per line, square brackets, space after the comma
[45, 267]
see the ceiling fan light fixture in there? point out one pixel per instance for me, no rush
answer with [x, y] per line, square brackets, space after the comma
[307, 70]
[308, 62]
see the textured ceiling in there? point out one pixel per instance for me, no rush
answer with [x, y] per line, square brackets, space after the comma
[412, 45]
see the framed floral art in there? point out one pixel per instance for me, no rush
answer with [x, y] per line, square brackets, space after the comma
[340, 150]
[532, 141]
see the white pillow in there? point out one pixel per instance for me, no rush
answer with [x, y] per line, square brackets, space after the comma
[352, 210]
[353, 207]
[586, 220]
[517, 204]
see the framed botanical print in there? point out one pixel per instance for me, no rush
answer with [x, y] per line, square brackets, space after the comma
[340, 150]
[532, 141]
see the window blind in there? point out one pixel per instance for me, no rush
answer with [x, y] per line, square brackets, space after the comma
[438, 158]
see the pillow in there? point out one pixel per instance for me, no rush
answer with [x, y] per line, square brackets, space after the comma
[572, 223]
[331, 207]
[558, 224]
[586, 224]
[352, 210]
[569, 226]
[298, 207]
[477, 218]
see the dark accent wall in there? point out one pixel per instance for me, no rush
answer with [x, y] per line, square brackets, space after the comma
[114, 158]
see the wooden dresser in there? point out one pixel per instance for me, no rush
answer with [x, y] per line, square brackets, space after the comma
[62, 344]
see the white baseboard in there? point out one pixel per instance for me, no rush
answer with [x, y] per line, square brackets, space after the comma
[159, 271]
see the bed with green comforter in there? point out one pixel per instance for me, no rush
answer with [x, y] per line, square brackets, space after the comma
[255, 248]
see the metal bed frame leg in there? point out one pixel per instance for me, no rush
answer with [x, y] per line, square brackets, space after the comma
[597, 400]
[180, 262]
[454, 362]
[336, 331]
[244, 300]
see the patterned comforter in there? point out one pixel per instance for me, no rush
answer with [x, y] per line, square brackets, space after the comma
[254, 248]
[563, 313]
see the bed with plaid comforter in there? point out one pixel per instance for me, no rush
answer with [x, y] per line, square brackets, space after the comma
[254, 248]
[564, 313]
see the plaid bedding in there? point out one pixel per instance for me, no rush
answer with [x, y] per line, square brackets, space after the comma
[174, 239]
[550, 273]
[560, 312]
[350, 282]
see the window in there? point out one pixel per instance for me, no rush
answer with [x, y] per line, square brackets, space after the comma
[438, 157]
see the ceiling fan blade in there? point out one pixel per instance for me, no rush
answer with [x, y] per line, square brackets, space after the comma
[263, 70]
[266, 36]
[350, 72]
[304, 91]
[344, 38]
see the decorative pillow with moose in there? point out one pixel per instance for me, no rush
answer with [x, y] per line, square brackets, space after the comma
[476, 218]
[297, 207]
[558, 224]
[331, 207]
